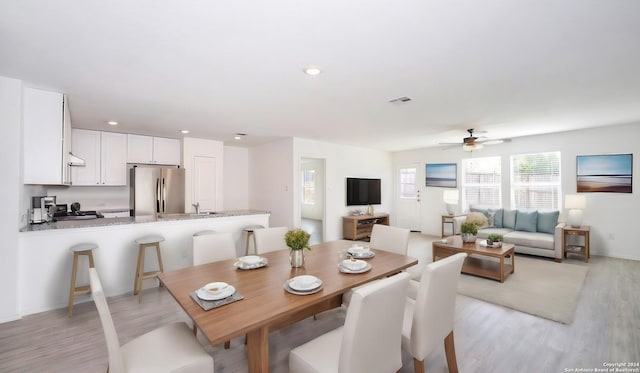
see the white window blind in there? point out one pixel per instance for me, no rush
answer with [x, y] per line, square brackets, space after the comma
[309, 187]
[408, 183]
[535, 181]
[481, 182]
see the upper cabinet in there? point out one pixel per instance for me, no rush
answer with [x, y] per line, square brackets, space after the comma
[105, 158]
[47, 130]
[153, 150]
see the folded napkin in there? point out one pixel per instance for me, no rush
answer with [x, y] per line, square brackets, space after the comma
[211, 304]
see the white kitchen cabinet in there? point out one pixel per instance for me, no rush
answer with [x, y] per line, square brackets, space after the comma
[153, 150]
[105, 159]
[46, 125]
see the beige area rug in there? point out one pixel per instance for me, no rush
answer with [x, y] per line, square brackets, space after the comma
[538, 287]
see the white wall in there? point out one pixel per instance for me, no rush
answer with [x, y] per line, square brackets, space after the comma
[92, 197]
[610, 215]
[342, 161]
[236, 178]
[271, 180]
[10, 190]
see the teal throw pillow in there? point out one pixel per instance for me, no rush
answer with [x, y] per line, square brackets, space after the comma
[509, 219]
[497, 217]
[547, 221]
[526, 221]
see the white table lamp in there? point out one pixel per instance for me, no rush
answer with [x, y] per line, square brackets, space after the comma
[450, 197]
[575, 203]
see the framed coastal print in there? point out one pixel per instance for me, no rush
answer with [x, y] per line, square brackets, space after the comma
[442, 175]
[604, 173]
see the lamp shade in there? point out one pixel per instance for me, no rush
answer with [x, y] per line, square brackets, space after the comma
[575, 201]
[450, 196]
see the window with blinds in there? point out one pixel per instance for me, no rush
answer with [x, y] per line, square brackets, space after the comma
[309, 187]
[481, 182]
[535, 181]
[408, 183]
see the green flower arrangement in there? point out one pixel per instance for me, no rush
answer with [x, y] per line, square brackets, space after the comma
[297, 239]
[469, 228]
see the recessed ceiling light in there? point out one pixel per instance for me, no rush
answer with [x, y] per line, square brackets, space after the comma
[184, 131]
[112, 123]
[239, 136]
[312, 70]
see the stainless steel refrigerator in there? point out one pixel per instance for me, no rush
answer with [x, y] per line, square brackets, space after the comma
[156, 190]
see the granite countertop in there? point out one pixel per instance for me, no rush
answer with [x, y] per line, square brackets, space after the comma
[104, 222]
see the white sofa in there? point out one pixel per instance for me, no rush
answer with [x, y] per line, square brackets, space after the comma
[539, 232]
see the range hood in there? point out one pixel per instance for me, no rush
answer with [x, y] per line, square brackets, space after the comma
[75, 161]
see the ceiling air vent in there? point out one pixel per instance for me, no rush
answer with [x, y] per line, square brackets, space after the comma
[400, 100]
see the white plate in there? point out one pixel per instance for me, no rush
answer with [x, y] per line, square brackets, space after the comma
[250, 260]
[353, 264]
[288, 289]
[205, 294]
[347, 270]
[361, 254]
[243, 265]
[304, 283]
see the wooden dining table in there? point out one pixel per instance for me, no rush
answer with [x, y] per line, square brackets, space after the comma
[266, 305]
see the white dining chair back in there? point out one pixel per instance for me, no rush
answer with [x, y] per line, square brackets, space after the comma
[171, 348]
[369, 341]
[388, 238]
[270, 239]
[212, 247]
[429, 319]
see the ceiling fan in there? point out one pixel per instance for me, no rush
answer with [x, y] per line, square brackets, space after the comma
[471, 142]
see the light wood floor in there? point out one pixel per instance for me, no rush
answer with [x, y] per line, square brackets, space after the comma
[489, 338]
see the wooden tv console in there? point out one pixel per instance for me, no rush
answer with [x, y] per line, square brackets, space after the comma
[359, 227]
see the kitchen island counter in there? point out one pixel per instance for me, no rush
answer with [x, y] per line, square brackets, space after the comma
[44, 260]
[104, 222]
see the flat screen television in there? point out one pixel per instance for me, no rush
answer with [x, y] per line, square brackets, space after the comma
[363, 191]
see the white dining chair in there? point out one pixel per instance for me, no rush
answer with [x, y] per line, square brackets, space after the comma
[429, 319]
[270, 239]
[171, 348]
[388, 238]
[211, 247]
[369, 341]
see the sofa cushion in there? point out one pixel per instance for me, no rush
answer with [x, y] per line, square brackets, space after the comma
[526, 221]
[547, 221]
[509, 219]
[485, 232]
[530, 239]
[497, 217]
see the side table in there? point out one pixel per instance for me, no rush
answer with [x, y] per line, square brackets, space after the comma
[576, 249]
[450, 219]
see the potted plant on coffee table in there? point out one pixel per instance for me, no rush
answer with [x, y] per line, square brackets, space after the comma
[494, 240]
[297, 240]
[469, 232]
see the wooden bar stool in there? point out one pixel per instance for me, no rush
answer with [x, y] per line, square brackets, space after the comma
[77, 250]
[249, 232]
[143, 243]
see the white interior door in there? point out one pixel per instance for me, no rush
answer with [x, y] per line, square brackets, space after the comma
[204, 182]
[408, 196]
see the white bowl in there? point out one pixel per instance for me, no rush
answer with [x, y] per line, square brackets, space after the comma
[250, 259]
[304, 282]
[354, 264]
[215, 288]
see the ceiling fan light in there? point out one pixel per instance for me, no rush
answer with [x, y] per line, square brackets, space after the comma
[471, 147]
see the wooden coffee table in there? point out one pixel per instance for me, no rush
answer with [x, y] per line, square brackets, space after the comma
[487, 262]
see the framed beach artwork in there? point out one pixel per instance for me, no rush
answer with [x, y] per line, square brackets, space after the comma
[604, 173]
[441, 175]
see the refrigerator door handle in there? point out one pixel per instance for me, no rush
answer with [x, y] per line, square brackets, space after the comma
[164, 195]
[158, 195]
